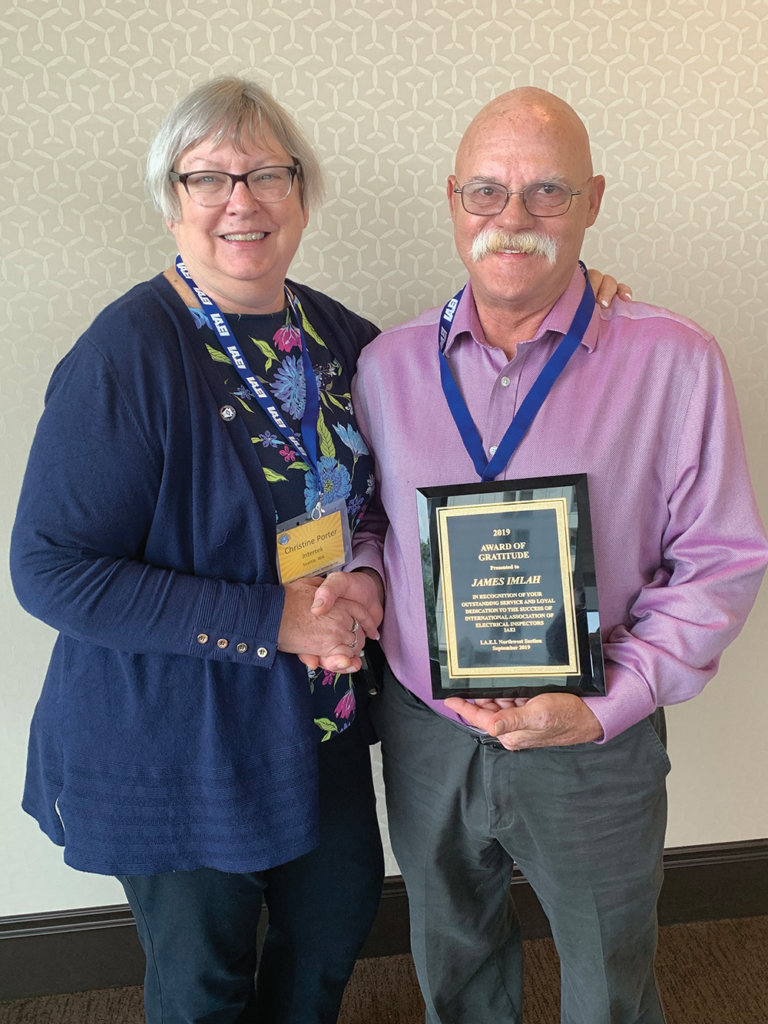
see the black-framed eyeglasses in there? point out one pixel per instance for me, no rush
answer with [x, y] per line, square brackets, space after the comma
[541, 198]
[213, 188]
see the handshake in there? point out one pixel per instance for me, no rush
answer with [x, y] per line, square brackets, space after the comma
[326, 621]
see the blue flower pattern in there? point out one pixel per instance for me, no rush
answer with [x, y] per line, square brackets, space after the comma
[268, 439]
[200, 318]
[345, 466]
[335, 483]
[290, 387]
[352, 440]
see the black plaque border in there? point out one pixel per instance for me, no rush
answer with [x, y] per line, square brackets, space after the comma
[557, 505]
[591, 681]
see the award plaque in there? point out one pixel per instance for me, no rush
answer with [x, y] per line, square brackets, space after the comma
[509, 588]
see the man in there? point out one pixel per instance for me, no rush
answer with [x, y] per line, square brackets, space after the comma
[571, 789]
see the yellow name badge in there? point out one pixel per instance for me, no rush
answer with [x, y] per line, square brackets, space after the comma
[312, 547]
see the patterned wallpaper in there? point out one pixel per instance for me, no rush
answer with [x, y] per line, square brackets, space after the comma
[673, 92]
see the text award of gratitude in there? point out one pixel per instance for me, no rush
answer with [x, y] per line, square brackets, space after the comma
[509, 586]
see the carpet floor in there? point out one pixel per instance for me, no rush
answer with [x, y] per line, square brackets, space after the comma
[709, 973]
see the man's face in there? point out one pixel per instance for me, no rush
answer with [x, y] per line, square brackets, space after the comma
[515, 151]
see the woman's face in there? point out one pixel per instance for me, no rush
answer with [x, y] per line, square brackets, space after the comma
[239, 252]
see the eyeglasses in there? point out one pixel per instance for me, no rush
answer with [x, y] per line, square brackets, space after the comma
[541, 199]
[212, 188]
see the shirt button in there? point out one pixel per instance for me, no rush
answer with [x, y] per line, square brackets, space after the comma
[493, 448]
[202, 638]
[227, 412]
[262, 652]
[241, 648]
[505, 382]
[222, 643]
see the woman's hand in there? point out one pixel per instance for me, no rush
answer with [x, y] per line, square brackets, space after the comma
[332, 636]
[605, 287]
[362, 593]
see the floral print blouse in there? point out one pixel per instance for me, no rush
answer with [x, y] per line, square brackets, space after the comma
[271, 344]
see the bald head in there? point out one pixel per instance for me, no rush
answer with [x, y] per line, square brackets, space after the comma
[520, 262]
[528, 118]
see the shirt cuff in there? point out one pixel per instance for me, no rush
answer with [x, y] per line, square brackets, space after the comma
[627, 701]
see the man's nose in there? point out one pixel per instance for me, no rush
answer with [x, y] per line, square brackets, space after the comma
[514, 216]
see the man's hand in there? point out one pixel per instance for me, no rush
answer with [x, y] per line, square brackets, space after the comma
[331, 638]
[360, 592]
[605, 287]
[549, 720]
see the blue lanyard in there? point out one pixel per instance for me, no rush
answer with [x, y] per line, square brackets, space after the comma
[533, 400]
[307, 450]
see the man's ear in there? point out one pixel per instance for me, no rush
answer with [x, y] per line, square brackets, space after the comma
[453, 198]
[596, 190]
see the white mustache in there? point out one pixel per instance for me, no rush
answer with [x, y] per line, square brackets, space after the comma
[530, 242]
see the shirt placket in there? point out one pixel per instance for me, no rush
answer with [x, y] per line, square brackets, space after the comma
[506, 393]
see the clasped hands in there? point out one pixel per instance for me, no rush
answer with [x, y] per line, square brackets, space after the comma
[326, 621]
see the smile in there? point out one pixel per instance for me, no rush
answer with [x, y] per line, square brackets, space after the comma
[252, 236]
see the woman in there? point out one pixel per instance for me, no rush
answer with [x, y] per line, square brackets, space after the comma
[175, 743]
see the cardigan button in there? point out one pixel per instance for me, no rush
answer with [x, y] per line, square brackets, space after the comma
[262, 652]
[202, 638]
[241, 648]
[227, 412]
[222, 643]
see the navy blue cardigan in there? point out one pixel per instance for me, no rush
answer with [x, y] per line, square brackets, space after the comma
[146, 535]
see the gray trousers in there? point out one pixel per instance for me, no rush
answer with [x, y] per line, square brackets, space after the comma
[584, 823]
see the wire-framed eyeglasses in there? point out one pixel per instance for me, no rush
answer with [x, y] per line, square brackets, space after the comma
[541, 198]
[213, 188]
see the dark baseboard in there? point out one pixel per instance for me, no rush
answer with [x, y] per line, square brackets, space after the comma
[77, 950]
[70, 951]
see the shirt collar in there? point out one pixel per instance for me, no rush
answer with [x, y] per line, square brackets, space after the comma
[559, 318]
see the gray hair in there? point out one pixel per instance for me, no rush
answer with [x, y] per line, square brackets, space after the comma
[226, 109]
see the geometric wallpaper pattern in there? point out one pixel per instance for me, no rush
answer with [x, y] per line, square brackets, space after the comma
[673, 93]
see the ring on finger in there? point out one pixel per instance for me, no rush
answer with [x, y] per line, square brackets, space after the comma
[355, 625]
[353, 645]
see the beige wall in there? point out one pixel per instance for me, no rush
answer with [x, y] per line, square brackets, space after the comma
[672, 95]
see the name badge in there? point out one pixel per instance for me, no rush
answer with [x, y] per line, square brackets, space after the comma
[315, 544]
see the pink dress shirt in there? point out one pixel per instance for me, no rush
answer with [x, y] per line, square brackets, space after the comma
[646, 408]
